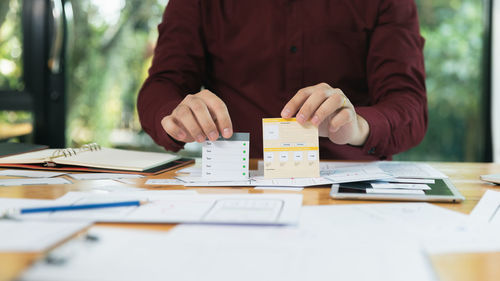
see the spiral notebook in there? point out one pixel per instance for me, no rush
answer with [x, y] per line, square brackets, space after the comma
[93, 158]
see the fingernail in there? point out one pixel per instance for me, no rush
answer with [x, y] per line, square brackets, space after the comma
[200, 138]
[315, 120]
[333, 129]
[226, 133]
[213, 136]
[286, 113]
[301, 118]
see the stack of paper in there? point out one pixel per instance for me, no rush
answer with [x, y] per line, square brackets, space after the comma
[330, 242]
[331, 172]
[385, 240]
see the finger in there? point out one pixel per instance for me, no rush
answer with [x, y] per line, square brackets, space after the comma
[330, 106]
[172, 129]
[189, 138]
[203, 117]
[296, 102]
[312, 104]
[342, 118]
[218, 109]
[184, 116]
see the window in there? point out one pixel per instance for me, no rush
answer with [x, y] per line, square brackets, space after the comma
[10, 45]
[108, 59]
[13, 123]
[454, 51]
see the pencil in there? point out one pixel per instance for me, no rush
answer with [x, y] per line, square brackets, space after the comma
[79, 207]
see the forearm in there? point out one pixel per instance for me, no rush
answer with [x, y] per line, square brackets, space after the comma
[156, 100]
[396, 124]
[176, 70]
[397, 112]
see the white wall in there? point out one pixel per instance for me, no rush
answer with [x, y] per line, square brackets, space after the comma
[495, 102]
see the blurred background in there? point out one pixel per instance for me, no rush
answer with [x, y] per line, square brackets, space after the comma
[78, 82]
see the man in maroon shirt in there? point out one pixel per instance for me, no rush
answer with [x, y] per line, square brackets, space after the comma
[353, 68]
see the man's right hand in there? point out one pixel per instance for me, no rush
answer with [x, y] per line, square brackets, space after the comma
[198, 117]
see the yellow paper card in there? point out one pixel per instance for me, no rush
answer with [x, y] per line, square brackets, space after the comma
[290, 149]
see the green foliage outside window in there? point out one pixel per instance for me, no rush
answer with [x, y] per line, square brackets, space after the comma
[109, 53]
[10, 45]
[453, 52]
[11, 65]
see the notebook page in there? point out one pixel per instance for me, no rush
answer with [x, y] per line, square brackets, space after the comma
[112, 158]
[28, 158]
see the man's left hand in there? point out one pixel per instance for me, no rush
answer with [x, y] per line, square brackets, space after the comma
[331, 111]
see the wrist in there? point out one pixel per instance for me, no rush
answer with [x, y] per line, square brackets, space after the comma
[363, 132]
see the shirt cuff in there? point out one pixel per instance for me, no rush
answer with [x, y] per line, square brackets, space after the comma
[163, 138]
[380, 131]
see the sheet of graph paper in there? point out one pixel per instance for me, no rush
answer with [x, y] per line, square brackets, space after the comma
[290, 149]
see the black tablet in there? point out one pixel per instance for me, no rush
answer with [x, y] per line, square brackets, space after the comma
[442, 190]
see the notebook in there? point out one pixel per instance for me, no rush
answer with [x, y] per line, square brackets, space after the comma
[493, 178]
[12, 148]
[92, 157]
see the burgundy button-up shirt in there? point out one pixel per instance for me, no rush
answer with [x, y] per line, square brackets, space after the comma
[255, 55]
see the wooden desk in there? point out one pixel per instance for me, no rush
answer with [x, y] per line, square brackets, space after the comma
[481, 266]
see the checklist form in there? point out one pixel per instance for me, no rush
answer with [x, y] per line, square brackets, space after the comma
[226, 159]
[290, 149]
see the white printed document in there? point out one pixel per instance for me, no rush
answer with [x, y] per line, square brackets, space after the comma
[257, 181]
[33, 181]
[174, 207]
[30, 173]
[361, 172]
[103, 176]
[487, 209]
[410, 170]
[397, 169]
[414, 186]
[319, 251]
[161, 182]
[35, 236]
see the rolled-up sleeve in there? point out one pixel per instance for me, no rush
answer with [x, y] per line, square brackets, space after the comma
[397, 114]
[177, 69]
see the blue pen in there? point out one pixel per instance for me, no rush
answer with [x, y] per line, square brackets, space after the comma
[79, 207]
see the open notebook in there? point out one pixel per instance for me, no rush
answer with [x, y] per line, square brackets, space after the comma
[93, 158]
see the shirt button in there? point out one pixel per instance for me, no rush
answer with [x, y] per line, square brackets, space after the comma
[293, 49]
[371, 151]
